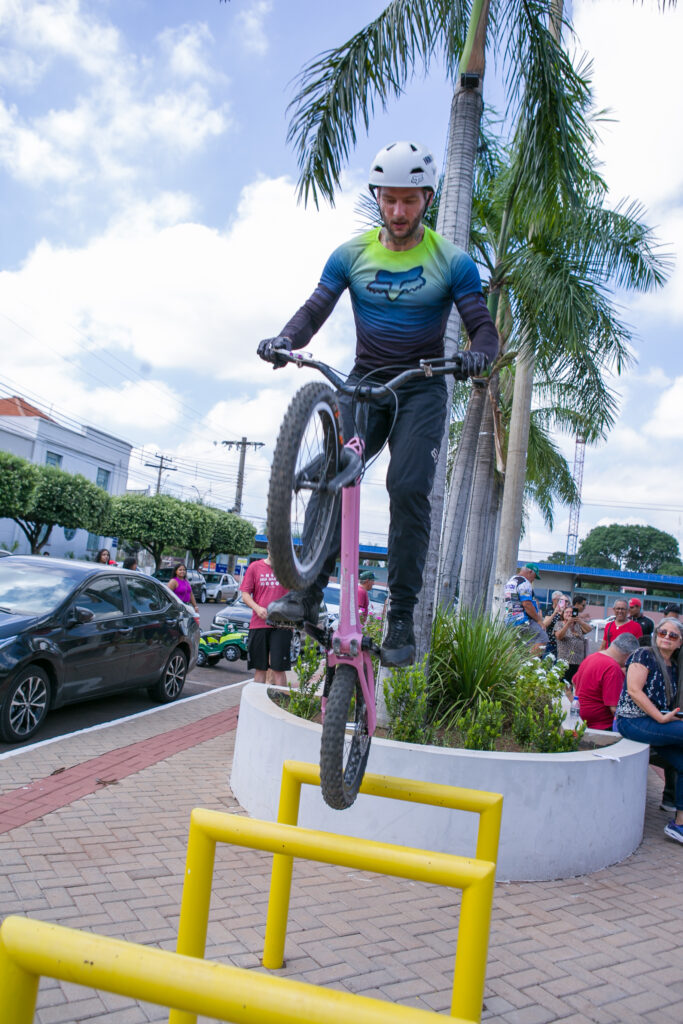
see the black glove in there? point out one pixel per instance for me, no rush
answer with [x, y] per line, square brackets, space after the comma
[472, 364]
[268, 351]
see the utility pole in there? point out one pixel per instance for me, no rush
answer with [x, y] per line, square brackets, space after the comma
[242, 447]
[237, 508]
[162, 459]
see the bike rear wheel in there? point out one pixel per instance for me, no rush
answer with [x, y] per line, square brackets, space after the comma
[345, 743]
[302, 514]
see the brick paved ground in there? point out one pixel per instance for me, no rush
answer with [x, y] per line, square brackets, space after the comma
[108, 856]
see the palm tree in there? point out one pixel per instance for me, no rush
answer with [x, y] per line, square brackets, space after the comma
[339, 88]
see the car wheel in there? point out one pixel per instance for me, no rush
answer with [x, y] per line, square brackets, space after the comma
[171, 684]
[201, 659]
[232, 653]
[295, 647]
[219, 597]
[233, 599]
[25, 706]
[202, 596]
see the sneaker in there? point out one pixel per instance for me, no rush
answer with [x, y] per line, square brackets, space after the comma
[295, 608]
[667, 805]
[398, 647]
[674, 831]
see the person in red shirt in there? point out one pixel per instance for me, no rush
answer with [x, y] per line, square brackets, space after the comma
[268, 646]
[599, 681]
[365, 581]
[620, 624]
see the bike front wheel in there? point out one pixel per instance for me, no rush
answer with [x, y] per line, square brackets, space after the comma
[302, 513]
[345, 744]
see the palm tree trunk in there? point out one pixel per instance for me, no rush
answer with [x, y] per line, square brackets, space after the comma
[454, 223]
[459, 493]
[515, 475]
[477, 555]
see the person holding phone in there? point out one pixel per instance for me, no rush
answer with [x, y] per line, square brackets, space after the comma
[647, 710]
[570, 645]
[551, 620]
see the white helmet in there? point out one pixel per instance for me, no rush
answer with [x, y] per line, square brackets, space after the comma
[403, 165]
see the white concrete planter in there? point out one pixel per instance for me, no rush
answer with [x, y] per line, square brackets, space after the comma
[563, 814]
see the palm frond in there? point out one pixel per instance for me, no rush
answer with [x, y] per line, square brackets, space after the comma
[338, 90]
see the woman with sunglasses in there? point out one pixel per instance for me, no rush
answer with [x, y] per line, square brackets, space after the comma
[647, 710]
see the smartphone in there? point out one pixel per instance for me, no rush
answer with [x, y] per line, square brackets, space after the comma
[574, 612]
[679, 714]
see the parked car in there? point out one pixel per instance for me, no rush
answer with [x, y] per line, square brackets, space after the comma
[194, 578]
[71, 631]
[377, 595]
[221, 586]
[237, 614]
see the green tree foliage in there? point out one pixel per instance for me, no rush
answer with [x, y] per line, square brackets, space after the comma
[161, 522]
[634, 548]
[213, 531]
[153, 523]
[38, 498]
[18, 477]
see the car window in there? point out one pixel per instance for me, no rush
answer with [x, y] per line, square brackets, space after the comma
[145, 596]
[212, 577]
[103, 597]
[331, 594]
[34, 588]
[378, 594]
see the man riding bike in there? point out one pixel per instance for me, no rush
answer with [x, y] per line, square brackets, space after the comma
[403, 279]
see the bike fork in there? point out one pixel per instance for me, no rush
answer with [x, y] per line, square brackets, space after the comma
[348, 637]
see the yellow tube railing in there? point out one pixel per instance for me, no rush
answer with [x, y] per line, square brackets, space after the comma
[31, 949]
[285, 840]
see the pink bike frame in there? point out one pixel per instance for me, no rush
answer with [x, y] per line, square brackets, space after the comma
[347, 638]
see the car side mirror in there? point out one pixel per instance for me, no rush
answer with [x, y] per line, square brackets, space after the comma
[79, 615]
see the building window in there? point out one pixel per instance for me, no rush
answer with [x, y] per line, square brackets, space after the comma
[53, 459]
[103, 478]
[93, 542]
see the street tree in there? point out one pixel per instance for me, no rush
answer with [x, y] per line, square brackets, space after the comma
[628, 547]
[153, 523]
[38, 498]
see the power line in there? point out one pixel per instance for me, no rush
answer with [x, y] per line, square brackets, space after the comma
[162, 459]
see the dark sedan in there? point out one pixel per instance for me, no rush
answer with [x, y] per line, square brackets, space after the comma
[70, 631]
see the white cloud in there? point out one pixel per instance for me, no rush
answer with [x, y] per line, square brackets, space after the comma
[639, 77]
[162, 290]
[251, 24]
[186, 48]
[665, 423]
[126, 118]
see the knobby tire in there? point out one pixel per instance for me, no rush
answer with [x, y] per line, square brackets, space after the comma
[344, 756]
[310, 436]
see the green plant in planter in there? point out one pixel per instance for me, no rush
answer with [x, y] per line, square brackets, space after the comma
[537, 713]
[482, 725]
[405, 693]
[473, 657]
[303, 701]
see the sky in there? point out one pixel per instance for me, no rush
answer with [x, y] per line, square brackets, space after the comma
[150, 234]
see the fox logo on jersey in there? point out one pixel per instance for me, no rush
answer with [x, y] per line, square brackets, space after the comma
[394, 285]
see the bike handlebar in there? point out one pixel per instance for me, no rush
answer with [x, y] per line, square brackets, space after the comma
[426, 368]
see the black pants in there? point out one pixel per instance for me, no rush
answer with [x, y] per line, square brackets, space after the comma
[414, 446]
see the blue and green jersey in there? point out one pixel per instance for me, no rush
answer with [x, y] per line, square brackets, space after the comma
[401, 300]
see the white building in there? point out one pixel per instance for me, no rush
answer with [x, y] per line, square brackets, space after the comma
[26, 431]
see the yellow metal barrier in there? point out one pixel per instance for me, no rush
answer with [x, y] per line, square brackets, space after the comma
[474, 876]
[31, 949]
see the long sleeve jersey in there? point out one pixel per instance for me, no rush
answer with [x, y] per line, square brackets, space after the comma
[401, 300]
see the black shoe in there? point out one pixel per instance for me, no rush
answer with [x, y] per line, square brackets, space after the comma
[398, 647]
[295, 608]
